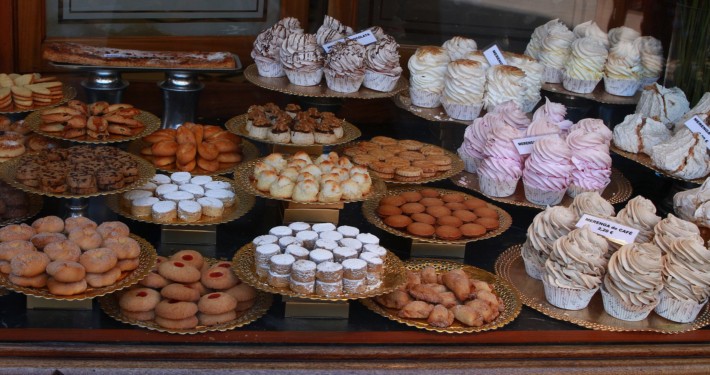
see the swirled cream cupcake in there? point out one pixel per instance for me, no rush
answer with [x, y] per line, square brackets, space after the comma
[555, 113]
[503, 83]
[512, 114]
[686, 280]
[464, 85]
[591, 161]
[459, 46]
[547, 171]
[633, 281]
[478, 57]
[652, 61]
[427, 68]
[474, 141]
[554, 52]
[574, 270]
[591, 203]
[590, 29]
[671, 229]
[622, 69]
[535, 45]
[302, 59]
[547, 226]
[639, 213]
[622, 34]
[268, 44]
[501, 166]
[666, 105]
[533, 78]
[332, 30]
[344, 66]
[585, 67]
[382, 70]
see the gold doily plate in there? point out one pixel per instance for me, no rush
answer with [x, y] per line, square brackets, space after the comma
[282, 84]
[151, 122]
[599, 95]
[68, 93]
[511, 268]
[34, 206]
[646, 161]
[502, 289]
[244, 177]
[8, 169]
[244, 266]
[238, 124]
[619, 190]
[243, 202]
[261, 305]
[436, 114]
[249, 152]
[369, 209]
[146, 262]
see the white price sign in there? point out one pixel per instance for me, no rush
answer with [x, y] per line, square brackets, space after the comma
[696, 125]
[365, 37]
[612, 230]
[494, 56]
[525, 145]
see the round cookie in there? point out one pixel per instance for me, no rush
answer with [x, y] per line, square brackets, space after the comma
[16, 232]
[412, 208]
[447, 232]
[63, 250]
[393, 200]
[398, 221]
[486, 212]
[87, 238]
[428, 202]
[465, 215]
[139, 315]
[474, 203]
[388, 210]
[429, 193]
[191, 257]
[219, 278]
[472, 230]
[424, 218]
[178, 271]
[453, 197]
[11, 248]
[72, 223]
[128, 264]
[66, 288]
[438, 211]
[455, 206]
[411, 196]
[216, 303]
[110, 229]
[154, 280]
[449, 220]
[100, 280]
[37, 281]
[124, 247]
[421, 229]
[180, 292]
[214, 319]
[40, 240]
[187, 323]
[66, 271]
[98, 260]
[175, 310]
[139, 299]
[53, 224]
[487, 222]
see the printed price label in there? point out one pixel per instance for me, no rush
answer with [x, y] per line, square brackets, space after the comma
[365, 37]
[525, 145]
[494, 56]
[697, 125]
[612, 230]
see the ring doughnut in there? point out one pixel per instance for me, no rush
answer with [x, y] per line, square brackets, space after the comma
[124, 247]
[139, 315]
[128, 264]
[65, 271]
[180, 292]
[214, 319]
[172, 309]
[63, 250]
[187, 323]
[40, 240]
[153, 280]
[219, 278]
[98, 260]
[16, 232]
[38, 281]
[216, 303]
[53, 224]
[139, 299]
[66, 289]
[99, 280]
[190, 257]
[72, 223]
[86, 238]
[178, 271]
[109, 229]
[11, 248]
[29, 264]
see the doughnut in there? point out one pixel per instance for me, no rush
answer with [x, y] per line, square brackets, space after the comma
[139, 315]
[187, 323]
[16, 232]
[124, 247]
[216, 303]
[110, 229]
[40, 240]
[65, 271]
[139, 299]
[99, 280]
[190, 257]
[66, 289]
[219, 278]
[180, 292]
[153, 280]
[53, 224]
[63, 250]
[128, 264]
[29, 264]
[11, 248]
[86, 238]
[38, 281]
[72, 223]
[198, 287]
[214, 319]
[98, 260]
[172, 309]
[178, 271]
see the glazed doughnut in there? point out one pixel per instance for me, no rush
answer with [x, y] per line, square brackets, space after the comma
[38, 281]
[11, 248]
[98, 280]
[124, 247]
[98, 260]
[72, 223]
[153, 280]
[66, 271]
[187, 323]
[29, 264]
[164, 148]
[178, 271]
[86, 238]
[63, 250]
[40, 240]
[216, 303]
[66, 289]
[172, 309]
[139, 299]
[214, 319]
[180, 292]
[197, 285]
[128, 264]
[207, 151]
[190, 257]
[110, 229]
[16, 232]
[219, 278]
[186, 153]
[53, 224]
[139, 315]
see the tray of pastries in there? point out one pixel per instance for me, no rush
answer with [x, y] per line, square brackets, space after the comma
[72, 259]
[319, 262]
[404, 161]
[292, 126]
[98, 122]
[183, 199]
[436, 114]
[646, 161]
[195, 148]
[77, 172]
[17, 206]
[449, 297]
[28, 92]
[188, 294]
[436, 215]
[302, 178]
[17, 138]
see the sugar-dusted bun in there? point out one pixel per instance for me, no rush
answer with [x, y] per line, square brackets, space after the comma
[53, 224]
[11, 148]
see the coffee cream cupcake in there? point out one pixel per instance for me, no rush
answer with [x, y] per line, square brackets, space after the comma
[268, 44]
[547, 226]
[622, 69]
[574, 270]
[685, 155]
[332, 30]
[652, 60]
[639, 134]
[302, 59]
[590, 29]
[501, 167]
[666, 105]
[459, 46]
[344, 67]
[591, 203]
[686, 281]
[671, 229]
[464, 85]
[503, 83]
[382, 70]
[533, 78]
[427, 68]
[639, 213]
[585, 67]
[554, 52]
[546, 175]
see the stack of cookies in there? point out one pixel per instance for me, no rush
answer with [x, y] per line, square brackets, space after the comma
[99, 121]
[28, 91]
[16, 138]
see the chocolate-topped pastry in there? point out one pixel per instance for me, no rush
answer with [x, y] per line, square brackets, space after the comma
[313, 112]
[291, 109]
[109, 179]
[260, 127]
[81, 182]
[281, 131]
[323, 132]
[334, 123]
[303, 128]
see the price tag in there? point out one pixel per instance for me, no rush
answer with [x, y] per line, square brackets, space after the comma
[525, 145]
[364, 37]
[612, 230]
[494, 56]
[696, 125]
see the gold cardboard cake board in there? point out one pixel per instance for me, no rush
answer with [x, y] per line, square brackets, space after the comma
[454, 252]
[327, 213]
[52, 304]
[68, 93]
[309, 309]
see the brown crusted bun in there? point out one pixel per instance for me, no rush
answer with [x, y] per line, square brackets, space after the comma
[11, 148]
[53, 224]
[29, 264]
[98, 260]
[66, 271]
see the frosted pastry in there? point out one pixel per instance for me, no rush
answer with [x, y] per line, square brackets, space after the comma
[554, 52]
[464, 85]
[478, 57]
[267, 45]
[591, 161]
[591, 203]
[663, 104]
[671, 229]
[555, 114]
[547, 226]
[622, 34]
[535, 45]
[590, 29]
[533, 79]
[547, 171]
[382, 70]
[474, 140]
[503, 83]
[510, 113]
[459, 46]
[639, 213]
[427, 68]
[639, 134]
[585, 67]
[344, 66]
[685, 155]
[501, 167]
[652, 60]
[338, 29]
[686, 282]
[302, 59]
[622, 69]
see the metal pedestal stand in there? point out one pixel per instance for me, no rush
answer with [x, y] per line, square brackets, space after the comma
[181, 90]
[104, 85]
[77, 207]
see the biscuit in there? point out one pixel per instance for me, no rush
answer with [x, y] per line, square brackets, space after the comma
[446, 232]
[411, 196]
[216, 303]
[180, 292]
[29, 264]
[100, 280]
[66, 271]
[424, 218]
[219, 278]
[391, 200]
[98, 260]
[175, 310]
[473, 203]
[191, 257]
[412, 208]
[387, 210]
[428, 202]
[66, 288]
[487, 222]
[37, 281]
[421, 229]
[453, 197]
[186, 323]
[455, 206]
[449, 220]
[486, 212]
[465, 215]
[178, 271]
[472, 230]
[214, 319]
[398, 221]
[438, 211]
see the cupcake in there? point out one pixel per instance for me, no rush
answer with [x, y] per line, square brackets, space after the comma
[533, 79]
[546, 175]
[639, 134]
[503, 83]
[331, 30]
[574, 270]
[427, 68]
[622, 34]
[662, 104]
[554, 52]
[302, 59]
[501, 167]
[585, 67]
[684, 155]
[591, 203]
[547, 226]
[478, 57]
[652, 59]
[281, 131]
[633, 281]
[474, 140]
[464, 85]
[591, 161]
[554, 113]
[268, 44]
[382, 70]
[621, 72]
[590, 29]
[671, 229]
[344, 67]
[459, 46]
[511, 113]
[639, 213]
[535, 45]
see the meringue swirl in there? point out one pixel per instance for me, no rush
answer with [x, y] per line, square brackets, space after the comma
[639, 213]
[427, 68]
[555, 48]
[549, 166]
[624, 61]
[586, 60]
[383, 57]
[577, 260]
[459, 46]
[634, 274]
[671, 229]
[301, 52]
[547, 226]
[504, 83]
[652, 60]
[464, 82]
[591, 203]
[686, 270]
[346, 58]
